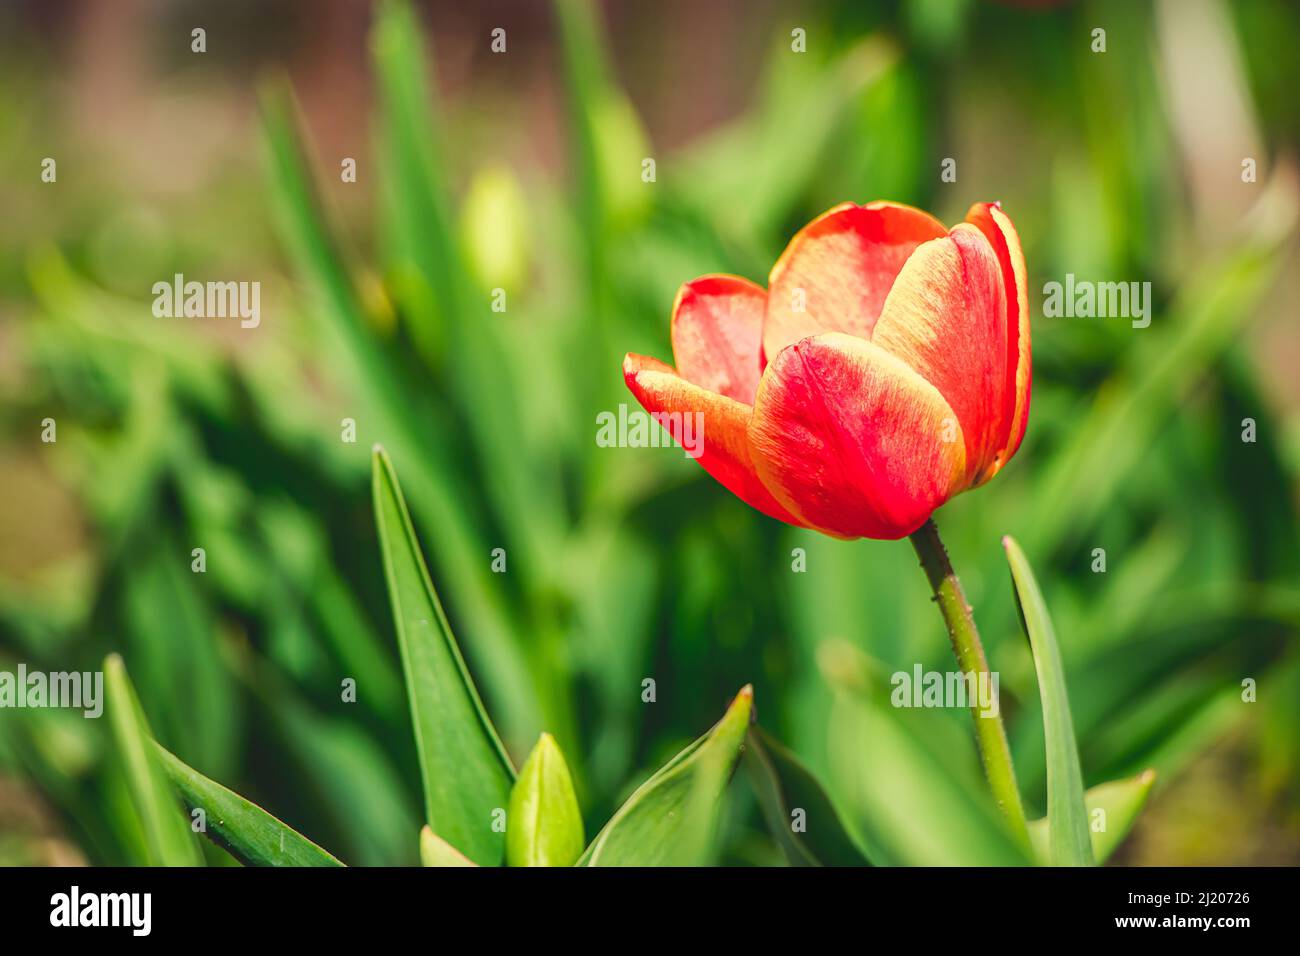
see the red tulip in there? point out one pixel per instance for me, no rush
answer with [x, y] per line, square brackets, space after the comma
[885, 369]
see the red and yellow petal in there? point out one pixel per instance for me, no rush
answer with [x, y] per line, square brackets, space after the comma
[836, 272]
[717, 334]
[852, 441]
[1001, 234]
[724, 446]
[946, 319]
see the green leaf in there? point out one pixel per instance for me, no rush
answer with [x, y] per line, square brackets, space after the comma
[1111, 441]
[587, 86]
[337, 767]
[1066, 812]
[670, 818]
[171, 635]
[543, 824]
[1119, 803]
[307, 234]
[466, 772]
[434, 481]
[787, 788]
[435, 851]
[525, 499]
[253, 836]
[415, 163]
[168, 838]
[914, 805]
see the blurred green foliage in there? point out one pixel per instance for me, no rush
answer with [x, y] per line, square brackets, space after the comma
[627, 564]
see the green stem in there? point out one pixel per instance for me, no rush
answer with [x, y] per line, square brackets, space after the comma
[990, 734]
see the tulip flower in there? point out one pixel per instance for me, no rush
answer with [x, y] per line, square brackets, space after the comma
[885, 369]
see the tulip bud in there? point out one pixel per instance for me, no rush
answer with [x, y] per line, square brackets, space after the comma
[494, 229]
[543, 824]
[435, 851]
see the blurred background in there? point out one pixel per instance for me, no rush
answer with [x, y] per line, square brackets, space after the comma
[522, 171]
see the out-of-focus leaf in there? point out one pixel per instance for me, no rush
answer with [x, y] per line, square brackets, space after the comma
[751, 174]
[589, 89]
[337, 767]
[253, 836]
[909, 779]
[433, 485]
[613, 572]
[172, 634]
[1114, 807]
[525, 497]
[670, 818]
[1066, 812]
[908, 803]
[544, 824]
[302, 554]
[314, 249]
[435, 851]
[416, 162]
[1110, 440]
[463, 764]
[798, 811]
[167, 837]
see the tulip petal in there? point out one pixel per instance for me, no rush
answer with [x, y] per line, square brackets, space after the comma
[1001, 234]
[836, 272]
[946, 319]
[717, 333]
[723, 442]
[852, 441]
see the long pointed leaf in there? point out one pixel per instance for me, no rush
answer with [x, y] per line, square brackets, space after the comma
[670, 818]
[466, 772]
[253, 836]
[167, 836]
[1066, 812]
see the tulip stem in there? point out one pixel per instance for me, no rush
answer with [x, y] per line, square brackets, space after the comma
[990, 734]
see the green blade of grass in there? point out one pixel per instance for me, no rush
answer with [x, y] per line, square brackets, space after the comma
[670, 818]
[1067, 816]
[1114, 806]
[787, 789]
[167, 837]
[466, 772]
[249, 833]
